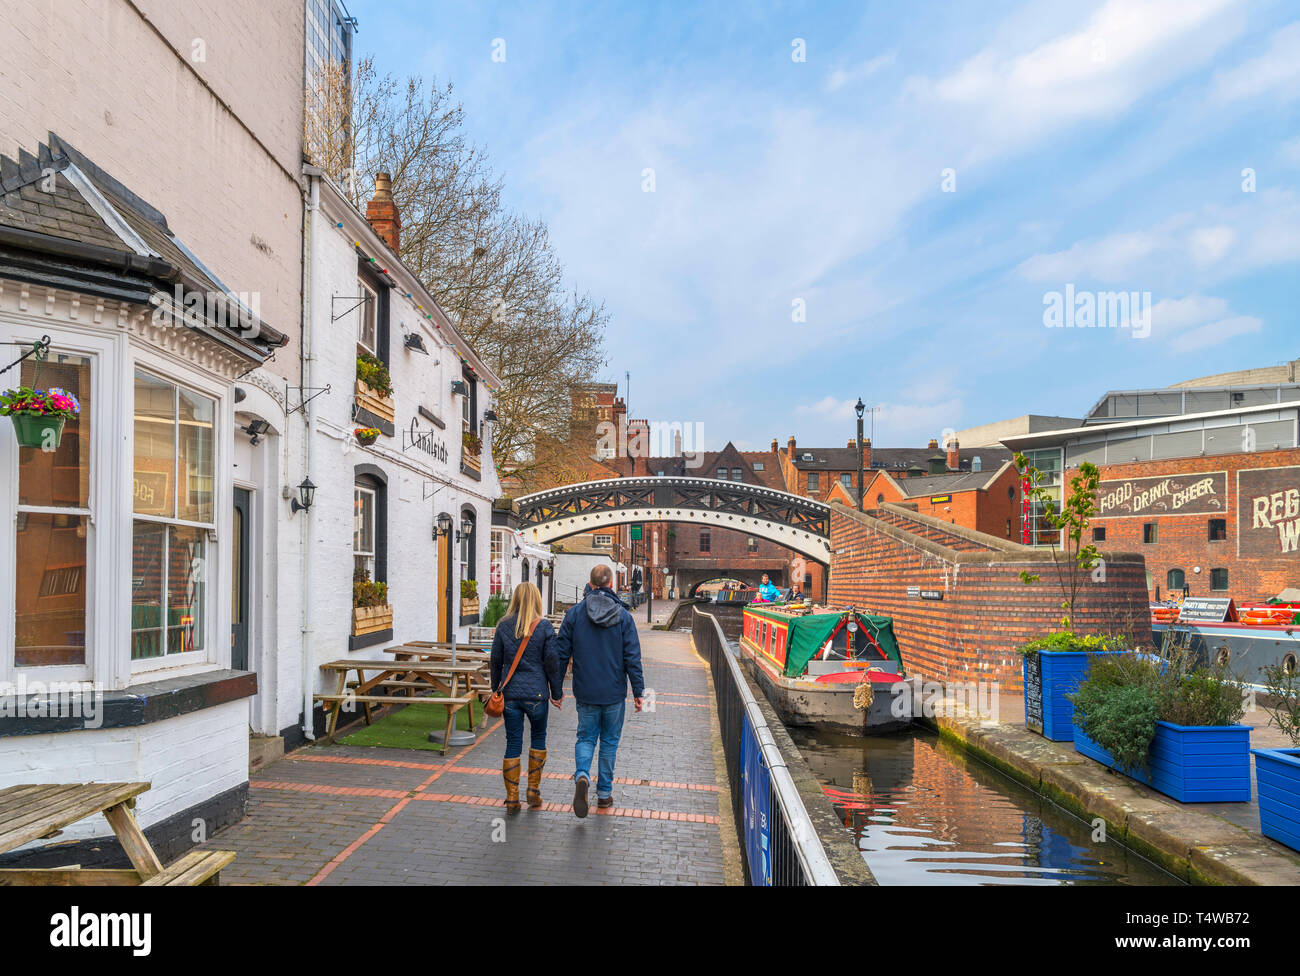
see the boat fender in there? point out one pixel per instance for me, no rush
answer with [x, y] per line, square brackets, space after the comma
[863, 695]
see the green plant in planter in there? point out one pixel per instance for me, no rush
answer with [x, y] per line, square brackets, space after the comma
[373, 372]
[471, 442]
[365, 592]
[39, 415]
[1064, 640]
[468, 589]
[1283, 687]
[494, 611]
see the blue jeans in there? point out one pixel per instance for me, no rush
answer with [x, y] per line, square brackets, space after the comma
[603, 722]
[537, 712]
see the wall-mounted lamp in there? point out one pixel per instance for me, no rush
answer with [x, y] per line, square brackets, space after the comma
[490, 417]
[466, 528]
[306, 495]
[255, 429]
[415, 343]
[459, 388]
[442, 525]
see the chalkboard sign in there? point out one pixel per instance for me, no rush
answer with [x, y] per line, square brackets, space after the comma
[1033, 694]
[1207, 610]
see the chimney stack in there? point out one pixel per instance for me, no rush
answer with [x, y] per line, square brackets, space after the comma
[789, 448]
[381, 213]
[776, 447]
[853, 443]
[933, 445]
[954, 457]
[866, 457]
[677, 443]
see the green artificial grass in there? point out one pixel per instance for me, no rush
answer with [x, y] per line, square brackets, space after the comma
[409, 728]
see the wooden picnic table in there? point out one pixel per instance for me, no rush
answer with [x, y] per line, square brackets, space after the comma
[399, 683]
[39, 810]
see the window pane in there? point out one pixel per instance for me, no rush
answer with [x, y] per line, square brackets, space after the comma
[148, 578]
[154, 484]
[196, 460]
[366, 321]
[186, 589]
[363, 522]
[50, 590]
[62, 476]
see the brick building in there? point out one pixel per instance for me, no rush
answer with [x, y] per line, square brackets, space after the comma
[831, 473]
[1204, 482]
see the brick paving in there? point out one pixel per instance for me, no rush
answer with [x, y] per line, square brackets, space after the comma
[337, 815]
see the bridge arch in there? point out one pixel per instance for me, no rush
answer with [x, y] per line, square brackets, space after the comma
[792, 521]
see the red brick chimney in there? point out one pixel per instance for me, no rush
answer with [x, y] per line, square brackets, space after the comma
[776, 447]
[866, 458]
[789, 448]
[954, 458]
[382, 213]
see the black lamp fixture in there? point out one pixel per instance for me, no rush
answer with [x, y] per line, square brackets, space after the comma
[306, 495]
[859, 408]
[255, 429]
[466, 527]
[415, 343]
[490, 417]
[443, 525]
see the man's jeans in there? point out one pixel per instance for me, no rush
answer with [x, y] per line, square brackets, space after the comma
[603, 722]
[537, 712]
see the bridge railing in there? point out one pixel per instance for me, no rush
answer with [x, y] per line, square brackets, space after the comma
[780, 844]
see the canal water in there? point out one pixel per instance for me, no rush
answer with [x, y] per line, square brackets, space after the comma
[923, 813]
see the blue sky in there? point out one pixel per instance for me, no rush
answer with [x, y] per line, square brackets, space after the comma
[1095, 145]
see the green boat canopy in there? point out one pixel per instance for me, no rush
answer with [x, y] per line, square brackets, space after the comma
[810, 633]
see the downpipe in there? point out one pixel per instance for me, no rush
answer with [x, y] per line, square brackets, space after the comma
[309, 431]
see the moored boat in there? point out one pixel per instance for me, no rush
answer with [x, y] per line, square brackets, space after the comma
[1248, 639]
[818, 666]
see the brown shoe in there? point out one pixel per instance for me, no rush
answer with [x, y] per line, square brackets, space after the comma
[604, 802]
[536, 763]
[510, 773]
[580, 797]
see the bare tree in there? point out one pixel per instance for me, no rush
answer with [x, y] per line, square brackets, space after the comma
[494, 273]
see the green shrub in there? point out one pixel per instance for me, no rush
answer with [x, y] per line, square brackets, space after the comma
[1203, 697]
[365, 593]
[468, 589]
[374, 373]
[494, 611]
[1121, 719]
[1064, 640]
[1283, 687]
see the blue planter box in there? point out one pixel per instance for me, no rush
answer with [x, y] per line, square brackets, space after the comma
[1060, 674]
[1191, 763]
[1277, 771]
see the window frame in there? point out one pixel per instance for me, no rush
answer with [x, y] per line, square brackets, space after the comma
[368, 308]
[1210, 527]
[706, 539]
[1170, 585]
[1227, 580]
[1150, 533]
[357, 491]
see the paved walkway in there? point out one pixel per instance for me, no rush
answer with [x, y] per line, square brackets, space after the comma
[351, 815]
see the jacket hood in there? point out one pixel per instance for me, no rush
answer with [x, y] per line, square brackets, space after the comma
[603, 608]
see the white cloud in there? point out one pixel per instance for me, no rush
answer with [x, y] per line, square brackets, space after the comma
[840, 77]
[1198, 322]
[1276, 70]
[1214, 333]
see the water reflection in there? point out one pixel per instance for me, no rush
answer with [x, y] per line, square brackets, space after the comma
[922, 813]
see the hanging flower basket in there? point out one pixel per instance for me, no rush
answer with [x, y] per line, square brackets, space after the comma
[39, 415]
[367, 435]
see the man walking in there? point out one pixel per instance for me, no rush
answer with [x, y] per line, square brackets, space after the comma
[600, 636]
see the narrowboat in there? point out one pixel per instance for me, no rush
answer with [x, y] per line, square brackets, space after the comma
[818, 665]
[1249, 639]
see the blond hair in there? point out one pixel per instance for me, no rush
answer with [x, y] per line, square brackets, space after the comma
[525, 607]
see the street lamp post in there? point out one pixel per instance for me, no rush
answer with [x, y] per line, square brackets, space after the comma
[860, 408]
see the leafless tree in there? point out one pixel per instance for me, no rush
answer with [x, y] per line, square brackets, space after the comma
[495, 273]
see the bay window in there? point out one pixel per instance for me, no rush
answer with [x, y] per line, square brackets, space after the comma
[174, 519]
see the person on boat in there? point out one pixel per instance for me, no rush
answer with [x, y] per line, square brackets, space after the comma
[536, 678]
[768, 592]
[600, 637]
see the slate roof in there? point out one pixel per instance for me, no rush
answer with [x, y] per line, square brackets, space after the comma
[95, 217]
[894, 458]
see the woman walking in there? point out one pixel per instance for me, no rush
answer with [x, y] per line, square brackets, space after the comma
[526, 670]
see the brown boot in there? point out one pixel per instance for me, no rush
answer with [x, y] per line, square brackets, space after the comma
[510, 773]
[536, 763]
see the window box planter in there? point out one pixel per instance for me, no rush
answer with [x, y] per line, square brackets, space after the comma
[1191, 763]
[369, 620]
[472, 461]
[469, 607]
[380, 406]
[1049, 677]
[1277, 771]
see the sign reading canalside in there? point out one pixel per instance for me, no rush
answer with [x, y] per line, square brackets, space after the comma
[1183, 494]
[1268, 512]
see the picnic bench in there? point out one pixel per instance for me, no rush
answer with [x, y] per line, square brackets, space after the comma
[407, 680]
[37, 811]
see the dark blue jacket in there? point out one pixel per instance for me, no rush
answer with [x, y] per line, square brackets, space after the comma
[539, 674]
[600, 637]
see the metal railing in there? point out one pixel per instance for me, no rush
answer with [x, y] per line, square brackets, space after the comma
[777, 837]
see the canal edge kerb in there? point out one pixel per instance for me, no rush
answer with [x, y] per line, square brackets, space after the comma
[1237, 858]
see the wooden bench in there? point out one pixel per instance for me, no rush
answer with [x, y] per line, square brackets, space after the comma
[189, 870]
[37, 811]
